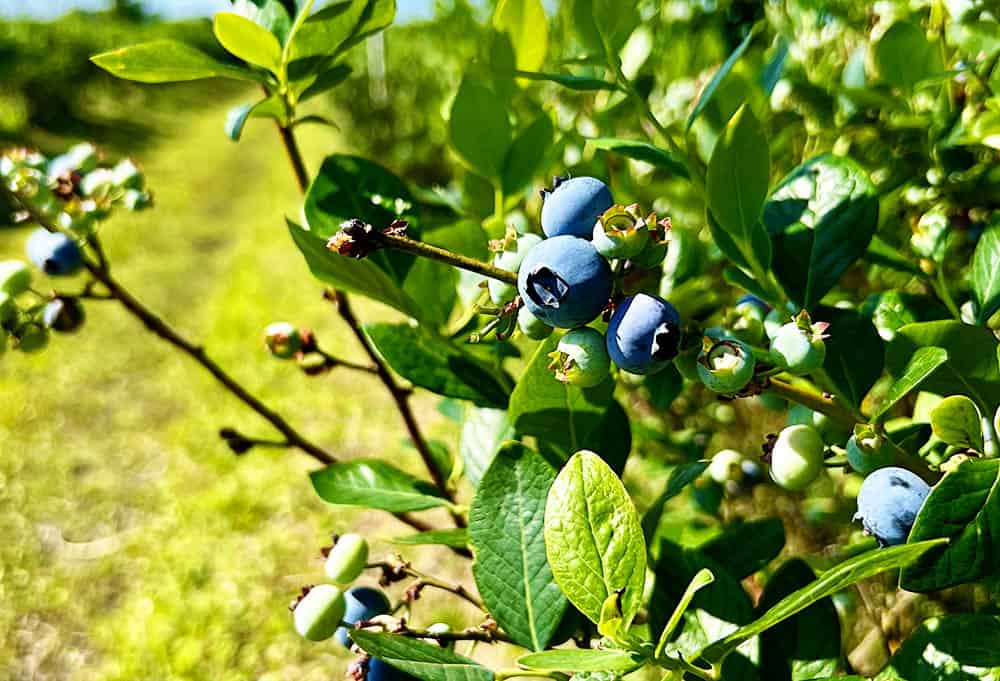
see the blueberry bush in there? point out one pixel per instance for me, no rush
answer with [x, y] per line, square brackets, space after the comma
[765, 292]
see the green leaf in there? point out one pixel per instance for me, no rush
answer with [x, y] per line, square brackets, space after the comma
[526, 154]
[703, 578]
[425, 661]
[436, 364]
[593, 538]
[524, 21]
[270, 14]
[964, 507]
[985, 274]
[640, 151]
[746, 547]
[680, 477]
[849, 572]
[737, 182]
[720, 75]
[855, 353]
[238, 116]
[954, 647]
[621, 661]
[956, 420]
[924, 362]
[821, 219]
[326, 81]
[479, 129]
[358, 276]
[456, 538]
[168, 61]
[568, 80]
[370, 483]
[971, 368]
[339, 26]
[248, 40]
[804, 646]
[506, 526]
[560, 413]
[483, 431]
[904, 56]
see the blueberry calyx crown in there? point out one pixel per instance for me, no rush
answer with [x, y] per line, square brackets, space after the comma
[556, 181]
[546, 288]
[666, 341]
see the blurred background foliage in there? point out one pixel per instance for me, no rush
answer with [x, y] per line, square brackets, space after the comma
[134, 545]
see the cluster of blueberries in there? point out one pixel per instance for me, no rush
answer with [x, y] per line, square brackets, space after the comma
[327, 611]
[72, 193]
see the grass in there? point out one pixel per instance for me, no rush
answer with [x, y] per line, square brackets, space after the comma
[133, 544]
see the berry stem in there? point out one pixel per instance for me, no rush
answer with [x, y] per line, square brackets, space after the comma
[823, 403]
[402, 243]
[424, 579]
[480, 635]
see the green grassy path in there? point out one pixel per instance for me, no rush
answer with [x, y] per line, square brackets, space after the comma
[132, 543]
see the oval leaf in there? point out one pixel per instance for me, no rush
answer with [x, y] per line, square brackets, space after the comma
[985, 277]
[956, 420]
[483, 431]
[922, 364]
[456, 538]
[593, 538]
[952, 648]
[248, 40]
[855, 353]
[479, 129]
[621, 661]
[168, 61]
[640, 151]
[425, 661]
[524, 21]
[370, 483]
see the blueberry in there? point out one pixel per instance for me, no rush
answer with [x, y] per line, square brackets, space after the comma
[54, 253]
[751, 299]
[564, 282]
[64, 315]
[797, 350]
[797, 457]
[621, 232]
[725, 465]
[867, 451]
[282, 339]
[832, 432]
[531, 326]
[725, 366]
[888, 503]
[644, 334]
[318, 614]
[363, 603]
[581, 358]
[15, 277]
[573, 206]
[510, 260]
[347, 559]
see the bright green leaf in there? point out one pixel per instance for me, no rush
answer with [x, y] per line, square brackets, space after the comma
[374, 484]
[528, 27]
[526, 154]
[423, 660]
[640, 151]
[270, 14]
[985, 274]
[924, 362]
[904, 56]
[720, 75]
[168, 61]
[479, 129]
[680, 477]
[248, 40]
[956, 420]
[483, 431]
[456, 538]
[621, 661]
[567, 80]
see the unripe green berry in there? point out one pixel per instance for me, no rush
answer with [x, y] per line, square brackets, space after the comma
[725, 466]
[796, 350]
[99, 182]
[531, 326]
[621, 232]
[747, 323]
[347, 559]
[867, 451]
[32, 338]
[128, 176]
[319, 613]
[510, 260]
[15, 277]
[725, 366]
[283, 340]
[832, 432]
[773, 322]
[581, 358]
[796, 457]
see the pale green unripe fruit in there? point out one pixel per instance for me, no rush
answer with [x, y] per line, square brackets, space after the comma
[581, 358]
[347, 559]
[531, 326]
[500, 292]
[726, 366]
[320, 612]
[725, 466]
[797, 457]
[793, 350]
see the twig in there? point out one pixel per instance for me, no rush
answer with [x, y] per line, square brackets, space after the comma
[394, 572]
[425, 250]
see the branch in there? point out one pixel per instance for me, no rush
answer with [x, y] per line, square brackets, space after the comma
[402, 243]
[395, 572]
[821, 402]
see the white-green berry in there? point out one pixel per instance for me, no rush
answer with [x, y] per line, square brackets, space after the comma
[318, 614]
[346, 559]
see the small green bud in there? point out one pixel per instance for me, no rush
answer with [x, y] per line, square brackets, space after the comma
[725, 366]
[15, 277]
[531, 326]
[581, 358]
[283, 340]
[347, 559]
[622, 232]
[796, 457]
[867, 450]
[318, 614]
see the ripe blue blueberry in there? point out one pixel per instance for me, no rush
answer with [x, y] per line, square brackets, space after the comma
[531, 326]
[510, 260]
[363, 603]
[725, 366]
[644, 334]
[54, 253]
[564, 282]
[888, 503]
[573, 206]
[64, 315]
[319, 612]
[380, 671]
[581, 359]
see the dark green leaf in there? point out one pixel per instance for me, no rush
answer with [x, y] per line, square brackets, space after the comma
[168, 61]
[680, 477]
[924, 362]
[713, 84]
[479, 129]
[745, 548]
[622, 661]
[951, 648]
[985, 277]
[526, 154]
[554, 411]
[849, 572]
[971, 368]
[821, 219]
[964, 507]
[436, 364]
[593, 539]
[569, 81]
[425, 661]
[804, 646]
[506, 526]
[640, 151]
[855, 353]
[248, 40]
[881, 253]
[483, 431]
[664, 387]
[456, 538]
[374, 484]
[326, 81]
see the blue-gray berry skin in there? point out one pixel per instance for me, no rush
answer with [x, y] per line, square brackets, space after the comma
[380, 671]
[55, 254]
[573, 206]
[564, 282]
[363, 603]
[644, 334]
[64, 315]
[755, 301]
[888, 503]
